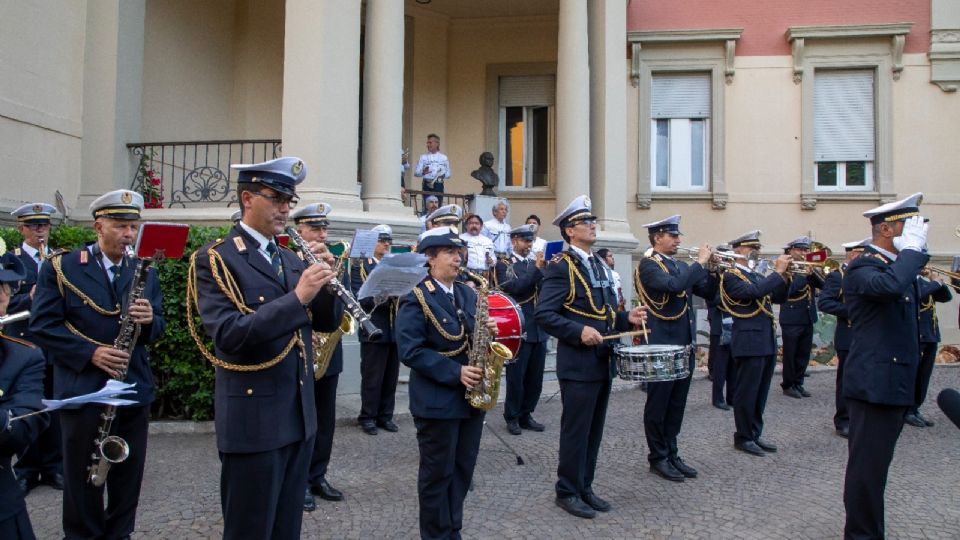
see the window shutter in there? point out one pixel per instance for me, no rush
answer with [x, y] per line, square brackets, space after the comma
[527, 91]
[843, 114]
[680, 95]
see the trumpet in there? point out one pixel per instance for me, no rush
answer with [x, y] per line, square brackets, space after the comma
[13, 317]
[953, 277]
[724, 260]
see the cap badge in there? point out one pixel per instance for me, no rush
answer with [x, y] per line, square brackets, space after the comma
[586, 201]
[37, 208]
[126, 197]
[296, 168]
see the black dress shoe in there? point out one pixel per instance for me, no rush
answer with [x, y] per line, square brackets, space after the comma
[368, 427]
[792, 392]
[27, 484]
[513, 427]
[664, 469]
[54, 480]
[596, 503]
[722, 405]
[766, 446]
[843, 432]
[803, 391]
[575, 505]
[914, 420]
[388, 425]
[923, 419]
[749, 447]
[684, 469]
[531, 424]
[326, 491]
[309, 503]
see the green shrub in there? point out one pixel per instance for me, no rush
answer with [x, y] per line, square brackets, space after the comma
[184, 378]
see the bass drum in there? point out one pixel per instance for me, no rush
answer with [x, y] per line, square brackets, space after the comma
[509, 318]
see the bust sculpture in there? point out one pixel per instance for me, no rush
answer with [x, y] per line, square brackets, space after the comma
[486, 175]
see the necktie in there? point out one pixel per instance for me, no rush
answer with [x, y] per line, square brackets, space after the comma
[601, 278]
[115, 277]
[275, 259]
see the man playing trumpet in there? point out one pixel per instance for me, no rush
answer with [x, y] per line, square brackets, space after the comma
[798, 314]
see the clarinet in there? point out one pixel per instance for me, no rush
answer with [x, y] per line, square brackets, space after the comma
[110, 449]
[337, 288]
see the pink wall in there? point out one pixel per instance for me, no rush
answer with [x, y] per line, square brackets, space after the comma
[765, 22]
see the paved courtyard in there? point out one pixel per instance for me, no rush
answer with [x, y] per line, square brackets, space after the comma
[793, 494]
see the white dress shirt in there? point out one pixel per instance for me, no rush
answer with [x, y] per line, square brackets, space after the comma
[498, 233]
[478, 247]
[438, 163]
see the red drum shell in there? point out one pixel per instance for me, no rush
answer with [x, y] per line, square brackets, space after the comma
[509, 318]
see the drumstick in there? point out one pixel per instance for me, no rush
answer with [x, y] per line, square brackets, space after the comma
[626, 334]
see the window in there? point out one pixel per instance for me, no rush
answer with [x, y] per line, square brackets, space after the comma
[843, 133]
[525, 130]
[679, 131]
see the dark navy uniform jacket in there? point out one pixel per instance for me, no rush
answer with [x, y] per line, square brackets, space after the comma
[382, 316]
[435, 388]
[831, 301]
[881, 297]
[931, 292]
[267, 408]
[21, 389]
[521, 283]
[21, 301]
[753, 335]
[676, 286]
[73, 373]
[800, 305]
[569, 300]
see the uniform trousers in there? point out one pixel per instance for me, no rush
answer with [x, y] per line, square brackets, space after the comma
[448, 455]
[261, 493]
[325, 398]
[43, 457]
[525, 381]
[84, 515]
[841, 418]
[754, 374]
[17, 527]
[663, 415]
[874, 430]
[581, 430]
[928, 355]
[379, 371]
[797, 344]
[722, 370]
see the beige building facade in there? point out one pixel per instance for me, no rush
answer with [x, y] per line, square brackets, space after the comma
[562, 92]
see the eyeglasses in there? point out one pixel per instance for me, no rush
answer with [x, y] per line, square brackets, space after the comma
[278, 200]
[588, 222]
[36, 226]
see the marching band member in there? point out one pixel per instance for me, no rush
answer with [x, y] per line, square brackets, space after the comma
[75, 318]
[880, 290]
[719, 361]
[312, 222]
[42, 463]
[480, 254]
[379, 364]
[519, 277]
[434, 325]
[21, 389]
[449, 216]
[932, 291]
[430, 205]
[747, 296]
[576, 305]
[666, 287]
[798, 314]
[258, 302]
[831, 301]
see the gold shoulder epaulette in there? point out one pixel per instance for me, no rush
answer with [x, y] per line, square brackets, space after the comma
[16, 251]
[557, 257]
[239, 243]
[428, 284]
[17, 340]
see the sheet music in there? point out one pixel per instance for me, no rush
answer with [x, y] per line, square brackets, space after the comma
[364, 243]
[395, 275]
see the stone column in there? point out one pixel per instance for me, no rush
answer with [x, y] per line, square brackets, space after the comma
[321, 97]
[112, 87]
[608, 133]
[382, 105]
[573, 103]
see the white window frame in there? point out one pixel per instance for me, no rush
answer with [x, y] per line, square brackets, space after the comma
[842, 186]
[679, 157]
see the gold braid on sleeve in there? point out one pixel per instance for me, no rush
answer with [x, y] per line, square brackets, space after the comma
[230, 289]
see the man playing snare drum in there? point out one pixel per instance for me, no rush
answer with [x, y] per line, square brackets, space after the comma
[666, 286]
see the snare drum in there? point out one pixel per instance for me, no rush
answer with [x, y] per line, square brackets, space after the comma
[509, 318]
[653, 363]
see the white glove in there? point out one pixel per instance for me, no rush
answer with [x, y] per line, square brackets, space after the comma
[914, 235]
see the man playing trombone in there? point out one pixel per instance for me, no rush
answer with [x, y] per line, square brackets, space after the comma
[666, 287]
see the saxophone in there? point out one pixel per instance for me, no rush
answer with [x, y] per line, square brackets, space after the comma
[485, 353]
[324, 344]
[110, 449]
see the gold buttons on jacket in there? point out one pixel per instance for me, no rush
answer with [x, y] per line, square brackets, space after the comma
[261, 299]
[249, 391]
[894, 358]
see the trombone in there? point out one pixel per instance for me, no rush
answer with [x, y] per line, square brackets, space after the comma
[953, 278]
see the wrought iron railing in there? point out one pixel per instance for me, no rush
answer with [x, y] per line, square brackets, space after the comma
[195, 173]
[414, 199]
